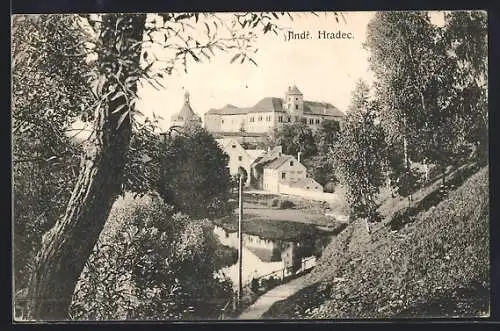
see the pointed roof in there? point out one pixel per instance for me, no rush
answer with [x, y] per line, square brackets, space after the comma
[186, 113]
[294, 90]
[279, 162]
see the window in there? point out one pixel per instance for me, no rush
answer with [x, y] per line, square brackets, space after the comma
[234, 146]
[291, 163]
[252, 119]
[315, 187]
[307, 187]
[289, 119]
[268, 118]
[260, 118]
[283, 175]
[311, 121]
[317, 121]
[296, 107]
[222, 121]
[296, 99]
[280, 119]
[240, 158]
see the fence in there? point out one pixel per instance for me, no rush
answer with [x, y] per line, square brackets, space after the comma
[283, 275]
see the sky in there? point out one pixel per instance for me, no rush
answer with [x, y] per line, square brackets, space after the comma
[323, 69]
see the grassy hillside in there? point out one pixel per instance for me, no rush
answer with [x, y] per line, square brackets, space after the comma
[436, 266]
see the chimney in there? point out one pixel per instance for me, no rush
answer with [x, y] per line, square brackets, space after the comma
[298, 156]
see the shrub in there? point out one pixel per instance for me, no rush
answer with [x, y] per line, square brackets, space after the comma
[275, 202]
[255, 285]
[225, 256]
[329, 187]
[286, 204]
[150, 263]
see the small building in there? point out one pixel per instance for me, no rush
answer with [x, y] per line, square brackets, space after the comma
[283, 170]
[308, 184]
[257, 167]
[239, 157]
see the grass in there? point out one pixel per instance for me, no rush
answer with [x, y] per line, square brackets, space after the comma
[429, 268]
[429, 197]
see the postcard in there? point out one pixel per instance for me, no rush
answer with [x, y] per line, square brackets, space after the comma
[250, 166]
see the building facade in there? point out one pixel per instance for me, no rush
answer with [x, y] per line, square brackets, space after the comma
[285, 169]
[239, 157]
[269, 113]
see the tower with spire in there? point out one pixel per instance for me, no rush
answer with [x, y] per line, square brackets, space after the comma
[185, 115]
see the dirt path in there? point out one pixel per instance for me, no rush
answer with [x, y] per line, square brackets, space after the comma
[278, 293]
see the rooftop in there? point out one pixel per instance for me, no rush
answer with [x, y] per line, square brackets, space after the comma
[279, 161]
[274, 104]
[294, 90]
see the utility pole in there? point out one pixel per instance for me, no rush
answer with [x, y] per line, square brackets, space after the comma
[240, 238]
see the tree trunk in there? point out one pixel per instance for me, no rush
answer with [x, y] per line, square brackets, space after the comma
[67, 246]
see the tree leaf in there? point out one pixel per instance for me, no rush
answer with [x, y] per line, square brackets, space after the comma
[117, 95]
[235, 57]
[121, 119]
[120, 107]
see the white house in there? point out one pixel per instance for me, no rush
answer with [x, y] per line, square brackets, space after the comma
[239, 157]
[283, 170]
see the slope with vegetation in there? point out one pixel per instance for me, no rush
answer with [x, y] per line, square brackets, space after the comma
[436, 266]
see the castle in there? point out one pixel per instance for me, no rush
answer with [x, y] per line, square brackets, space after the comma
[269, 113]
[252, 124]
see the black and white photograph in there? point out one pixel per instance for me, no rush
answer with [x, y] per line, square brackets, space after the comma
[215, 166]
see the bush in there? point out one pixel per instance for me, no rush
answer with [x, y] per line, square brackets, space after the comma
[275, 202]
[329, 187]
[225, 256]
[150, 263]
[286, 204]
[255, 285]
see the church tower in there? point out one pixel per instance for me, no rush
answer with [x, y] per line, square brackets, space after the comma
[294, 101]
[185, 115]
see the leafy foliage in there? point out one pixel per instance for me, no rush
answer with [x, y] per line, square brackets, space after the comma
[86, 68]
[359, 155]
[430, 86]
[48, 95]
[294, 138]
[151, 264]
[194, 175]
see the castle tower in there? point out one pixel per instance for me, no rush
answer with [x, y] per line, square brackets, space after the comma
[294, 101]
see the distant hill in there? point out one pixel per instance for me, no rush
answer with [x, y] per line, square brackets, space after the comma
[436, 266]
